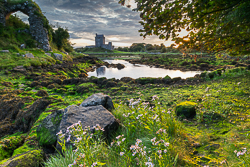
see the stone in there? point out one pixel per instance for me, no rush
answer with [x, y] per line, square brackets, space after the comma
[42, 93]
[120, 66]
[89, 116]
[58, 56]
[176, 79]
[46, 131]
[19, 69]
[30, 159]
[29, 55]
[111, 84]
[23, 46]
[49, 54]
[98, 99]
[52, 86]
[34, 83]
[186, 109]
[126, 79]
[4, 51]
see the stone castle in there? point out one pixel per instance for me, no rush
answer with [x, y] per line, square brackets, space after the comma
[100, 42]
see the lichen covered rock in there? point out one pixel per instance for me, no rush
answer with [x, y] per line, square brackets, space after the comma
[186, 109]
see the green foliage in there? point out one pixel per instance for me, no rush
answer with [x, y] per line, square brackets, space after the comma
[16, 23]
[60, 38]
[212, 25]
[11, 39]
[64, 160]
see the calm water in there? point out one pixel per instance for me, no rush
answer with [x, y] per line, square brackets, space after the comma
[137, 71]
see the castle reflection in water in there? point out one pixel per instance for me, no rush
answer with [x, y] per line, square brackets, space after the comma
[101, 71]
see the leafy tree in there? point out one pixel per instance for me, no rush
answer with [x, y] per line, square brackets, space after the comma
[61, 39]
[163, 50]
[149, 47]
[137, 47]
[213, 25]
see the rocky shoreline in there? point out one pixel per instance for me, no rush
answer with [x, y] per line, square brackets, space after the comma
[186, 66]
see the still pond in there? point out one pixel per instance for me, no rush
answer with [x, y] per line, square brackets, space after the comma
[137, 71]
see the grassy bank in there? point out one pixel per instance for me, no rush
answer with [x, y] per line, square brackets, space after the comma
[217, 136]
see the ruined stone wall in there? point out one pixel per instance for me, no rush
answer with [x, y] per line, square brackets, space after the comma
[36, 20]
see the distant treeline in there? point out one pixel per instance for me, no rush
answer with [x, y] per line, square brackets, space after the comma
[140, 47]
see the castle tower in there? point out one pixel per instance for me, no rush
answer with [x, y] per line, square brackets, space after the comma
[99, 40]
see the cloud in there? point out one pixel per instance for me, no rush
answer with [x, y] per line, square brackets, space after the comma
[85, 18]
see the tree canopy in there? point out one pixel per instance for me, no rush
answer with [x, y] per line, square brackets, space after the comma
[213, 25]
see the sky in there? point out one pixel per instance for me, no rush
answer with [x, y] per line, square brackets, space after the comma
[85, 18]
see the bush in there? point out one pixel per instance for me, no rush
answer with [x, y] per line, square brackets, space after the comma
[31, 43]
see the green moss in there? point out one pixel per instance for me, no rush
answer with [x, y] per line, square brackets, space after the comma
[45, 137]
[186, 108]
[9, 144]
[24, 148]
[31, 158]
[88, 84]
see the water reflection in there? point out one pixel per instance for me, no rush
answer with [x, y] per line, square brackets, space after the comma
[138, 70]
[100, 71]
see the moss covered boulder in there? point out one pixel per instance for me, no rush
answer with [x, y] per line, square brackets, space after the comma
[46, 131]
[28, 159]
[186, 109]
[9, 144]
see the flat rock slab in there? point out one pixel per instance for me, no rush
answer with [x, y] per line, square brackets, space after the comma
[89, 116]
[98, 99]
[4, 51]
[58, 56]
[29, 55]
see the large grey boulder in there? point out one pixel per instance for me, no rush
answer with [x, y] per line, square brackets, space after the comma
[89, 116]
[46, 131]
[98, 99]
[58, 56]
[29, 55]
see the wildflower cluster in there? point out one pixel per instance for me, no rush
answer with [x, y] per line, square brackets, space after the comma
[242, 152]
[134, 103]
[84, 140]
[138, 148]
[120, 140]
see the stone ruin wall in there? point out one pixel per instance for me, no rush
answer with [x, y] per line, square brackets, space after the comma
[37, 29]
